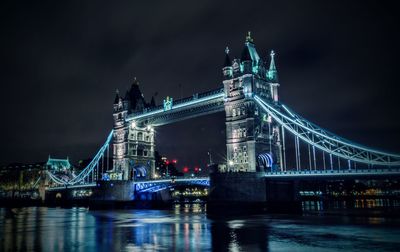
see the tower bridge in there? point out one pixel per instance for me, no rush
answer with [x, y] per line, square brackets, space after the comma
[258, 130]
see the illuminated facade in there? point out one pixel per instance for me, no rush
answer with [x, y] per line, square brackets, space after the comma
[251, 135]
[133, 144]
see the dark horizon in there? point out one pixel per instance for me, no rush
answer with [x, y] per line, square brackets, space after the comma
[62, 62]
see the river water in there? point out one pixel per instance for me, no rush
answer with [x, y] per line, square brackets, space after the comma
[187, 228]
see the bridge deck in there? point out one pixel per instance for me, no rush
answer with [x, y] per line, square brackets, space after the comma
[138, 183]
[273, 175]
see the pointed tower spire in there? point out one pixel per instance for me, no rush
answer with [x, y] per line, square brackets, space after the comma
[272, 72]
[135, 82]
[228, 61]
[152, 102]
[248, 37]
[116, 100]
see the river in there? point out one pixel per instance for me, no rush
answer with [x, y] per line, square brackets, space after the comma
[188, 228]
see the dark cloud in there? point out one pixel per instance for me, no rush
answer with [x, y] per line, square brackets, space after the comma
[61, 64]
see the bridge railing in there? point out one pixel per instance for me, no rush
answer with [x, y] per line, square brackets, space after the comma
[335, 172]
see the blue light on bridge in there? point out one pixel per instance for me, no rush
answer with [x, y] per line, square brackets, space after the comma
[105, 177]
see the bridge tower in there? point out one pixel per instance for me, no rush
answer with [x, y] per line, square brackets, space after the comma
[133, 143]
[120, 139]
[252, 137]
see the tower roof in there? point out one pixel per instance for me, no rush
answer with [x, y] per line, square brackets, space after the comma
[249, 51]
[134, 94]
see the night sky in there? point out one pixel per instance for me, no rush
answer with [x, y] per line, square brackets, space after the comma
[338, 65]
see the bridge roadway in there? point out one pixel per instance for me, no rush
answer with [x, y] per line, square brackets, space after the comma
[144, 185]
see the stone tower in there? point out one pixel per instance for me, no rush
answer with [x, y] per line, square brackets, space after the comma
[133, 144]
[250, 133]
[120, 145]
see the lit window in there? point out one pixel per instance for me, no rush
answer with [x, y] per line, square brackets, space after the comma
[140, 136]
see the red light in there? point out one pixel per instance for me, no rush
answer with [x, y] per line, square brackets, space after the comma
[196, 169]
[167, 162]
[174, 161]
[185, 169]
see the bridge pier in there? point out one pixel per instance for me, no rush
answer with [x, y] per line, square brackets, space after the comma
[123, 193]
[283, 195]
[114, 190]
[58, 197]
[251, 190]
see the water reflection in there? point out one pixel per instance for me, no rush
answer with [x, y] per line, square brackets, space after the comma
[186, 227]
[378, 203]
[239, 235]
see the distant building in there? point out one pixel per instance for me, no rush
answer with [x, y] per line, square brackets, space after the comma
[58, 165]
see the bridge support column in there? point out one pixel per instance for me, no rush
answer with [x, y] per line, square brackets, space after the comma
[283, 195]
[251, 190]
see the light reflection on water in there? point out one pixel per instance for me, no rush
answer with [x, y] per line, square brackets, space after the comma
[319, 205]
[187, 228]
